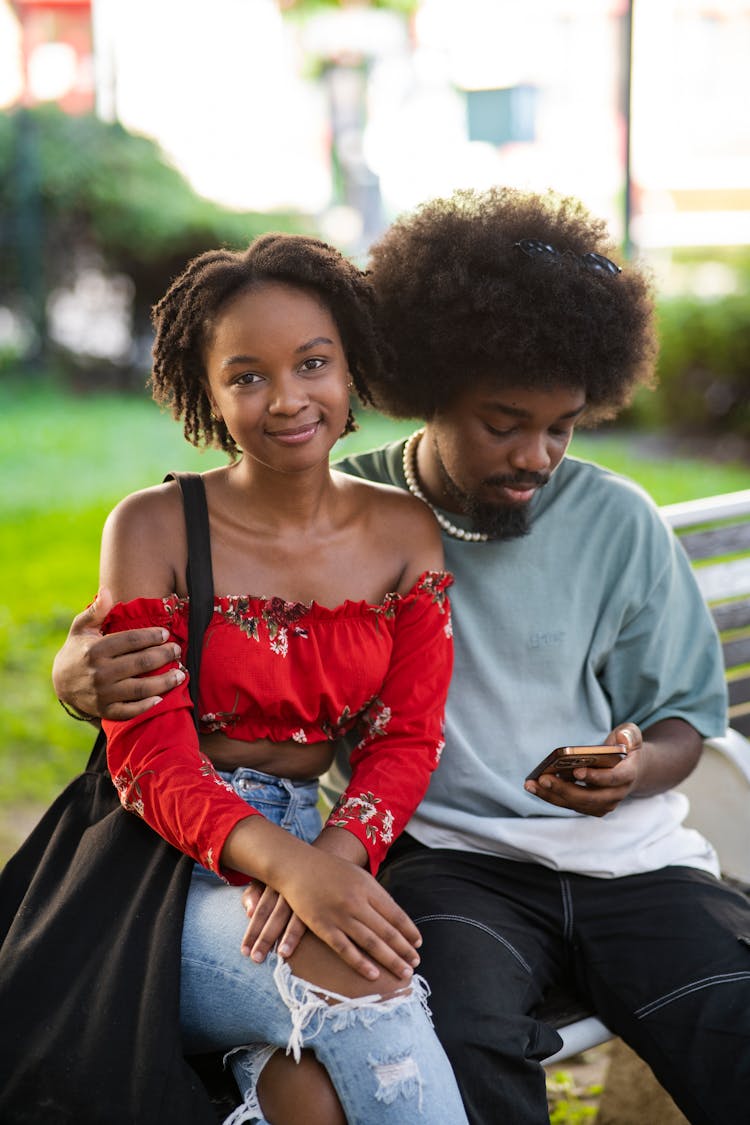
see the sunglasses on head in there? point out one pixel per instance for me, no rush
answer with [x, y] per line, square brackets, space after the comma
[597, 263]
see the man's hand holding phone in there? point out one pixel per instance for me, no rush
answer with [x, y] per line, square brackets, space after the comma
[590, 779]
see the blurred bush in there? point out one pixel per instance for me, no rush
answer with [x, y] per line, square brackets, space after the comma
[703, 368]
[77, 193]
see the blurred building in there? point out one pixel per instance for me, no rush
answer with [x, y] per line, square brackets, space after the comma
[355, 114]
[56, 53]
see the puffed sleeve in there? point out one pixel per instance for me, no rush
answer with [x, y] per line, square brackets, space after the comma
[155, 760]
[403, 726]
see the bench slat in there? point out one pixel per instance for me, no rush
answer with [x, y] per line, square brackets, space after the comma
[740, 722]
[717, 541]
[724, 580]
[736, 652]
[732, 615]
[731, 505]
[739, 689]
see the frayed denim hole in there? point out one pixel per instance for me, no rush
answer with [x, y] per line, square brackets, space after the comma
[247, 1063]
[396, 1078]
[310, 1005]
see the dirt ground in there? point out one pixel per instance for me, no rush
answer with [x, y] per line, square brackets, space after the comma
[630, 1095]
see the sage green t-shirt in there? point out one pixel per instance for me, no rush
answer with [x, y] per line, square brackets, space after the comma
[592, 619]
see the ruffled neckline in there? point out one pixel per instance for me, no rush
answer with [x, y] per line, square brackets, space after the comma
[431, 582]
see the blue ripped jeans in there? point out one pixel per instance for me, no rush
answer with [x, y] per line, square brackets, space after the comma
[383, 1056]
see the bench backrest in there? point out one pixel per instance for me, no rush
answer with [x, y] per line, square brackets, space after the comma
[715, 534]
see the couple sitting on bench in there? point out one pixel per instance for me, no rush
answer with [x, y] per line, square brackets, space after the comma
[502, 319]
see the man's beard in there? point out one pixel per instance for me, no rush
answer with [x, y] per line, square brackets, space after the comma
[497, 521]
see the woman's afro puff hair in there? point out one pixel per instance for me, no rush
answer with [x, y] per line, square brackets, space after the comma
[184, 319]
[458, 300]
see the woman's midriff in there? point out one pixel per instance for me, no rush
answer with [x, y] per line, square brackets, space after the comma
[281, 759]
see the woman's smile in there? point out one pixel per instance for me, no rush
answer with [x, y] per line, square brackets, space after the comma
[295, 435]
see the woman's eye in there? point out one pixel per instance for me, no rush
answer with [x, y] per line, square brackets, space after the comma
[312, 364]
[247, 378]
[497, 433]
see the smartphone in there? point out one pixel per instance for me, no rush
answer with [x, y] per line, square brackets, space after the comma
[566, 758]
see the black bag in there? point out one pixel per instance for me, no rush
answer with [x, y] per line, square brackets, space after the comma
[91, 913]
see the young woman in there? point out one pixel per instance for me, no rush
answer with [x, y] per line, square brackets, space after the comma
[330, 616]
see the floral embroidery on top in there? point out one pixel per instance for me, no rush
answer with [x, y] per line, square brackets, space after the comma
[237, 612]
[364, 809]
[387, 607]
[375, 717]
[221, 720]
[209, 861]
[277, 615]
[207, 770]
[218, 720]
[436, 585]
[334, 730]
[126, 784]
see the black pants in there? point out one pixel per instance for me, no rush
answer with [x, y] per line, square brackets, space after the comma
[663, 957]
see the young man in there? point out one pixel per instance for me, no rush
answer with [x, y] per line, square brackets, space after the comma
[577, 621]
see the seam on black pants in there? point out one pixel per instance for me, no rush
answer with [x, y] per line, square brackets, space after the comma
[686, 989]
[567, 905]
[479, 926]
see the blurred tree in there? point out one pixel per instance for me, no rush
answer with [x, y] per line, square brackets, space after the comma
[105, 198]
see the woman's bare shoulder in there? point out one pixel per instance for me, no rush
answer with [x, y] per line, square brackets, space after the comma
[143, 543]
[405, 526]
[142, 509]
[388, 499]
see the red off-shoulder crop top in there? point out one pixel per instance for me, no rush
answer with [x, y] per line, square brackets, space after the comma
[282, 670]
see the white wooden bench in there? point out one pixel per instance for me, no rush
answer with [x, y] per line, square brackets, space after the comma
[715, 533]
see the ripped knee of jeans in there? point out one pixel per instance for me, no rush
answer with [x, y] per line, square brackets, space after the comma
[310, 1006]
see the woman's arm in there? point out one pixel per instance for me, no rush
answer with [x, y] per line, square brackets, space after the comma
[393, 762]
[337, 900]
[142, 549]
[403, 726]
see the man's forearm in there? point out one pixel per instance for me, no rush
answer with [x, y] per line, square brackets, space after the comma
[671, 751]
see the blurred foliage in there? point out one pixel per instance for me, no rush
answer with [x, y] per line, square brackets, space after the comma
[568, 1103]
[703, 368]
[77, 192]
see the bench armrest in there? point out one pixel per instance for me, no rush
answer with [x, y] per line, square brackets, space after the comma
[719, 793]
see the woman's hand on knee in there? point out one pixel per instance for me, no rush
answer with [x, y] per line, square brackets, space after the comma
[271, 920]
[354, 916]
[335, 898]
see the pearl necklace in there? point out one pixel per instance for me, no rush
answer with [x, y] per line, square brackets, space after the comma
[410, 474]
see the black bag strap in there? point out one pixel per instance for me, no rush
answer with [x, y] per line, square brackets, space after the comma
[199, 575]
[200, 585]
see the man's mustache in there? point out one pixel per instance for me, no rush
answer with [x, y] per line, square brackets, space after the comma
[530, 480]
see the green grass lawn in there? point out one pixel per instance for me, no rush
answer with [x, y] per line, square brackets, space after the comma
[65, 461]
